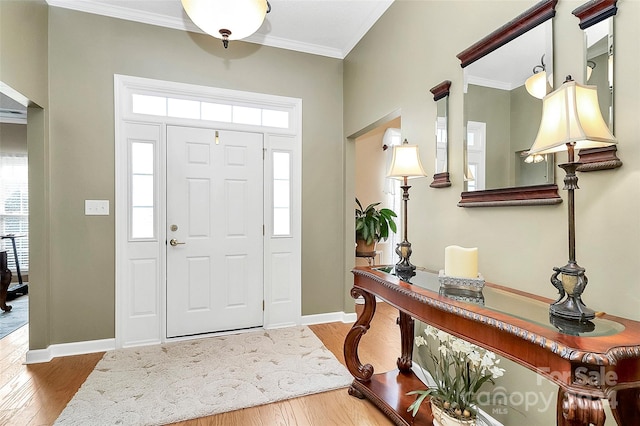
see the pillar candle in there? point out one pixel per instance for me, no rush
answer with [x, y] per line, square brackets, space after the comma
[461, 262]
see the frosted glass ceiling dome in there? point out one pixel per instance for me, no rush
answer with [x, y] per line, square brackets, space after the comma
[227, 20]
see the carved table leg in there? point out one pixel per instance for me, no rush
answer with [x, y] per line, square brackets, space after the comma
[5, 281]
[406, 342]
[578, 410]
[361, 372]
[625, 405]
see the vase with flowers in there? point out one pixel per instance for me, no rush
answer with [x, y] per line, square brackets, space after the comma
[459, 370]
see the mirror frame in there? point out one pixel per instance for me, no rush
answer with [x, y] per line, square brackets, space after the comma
[441, 180]
[523, 195]
[593, 159]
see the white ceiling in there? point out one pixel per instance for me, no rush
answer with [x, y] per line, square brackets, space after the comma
[321, 27]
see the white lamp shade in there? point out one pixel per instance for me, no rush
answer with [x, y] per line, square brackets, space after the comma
[537, 85]
[406, 162]
[571, 115]
[241, 17]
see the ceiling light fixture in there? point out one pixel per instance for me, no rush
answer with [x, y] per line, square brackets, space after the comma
[227, 20]
[590, 67]
[537, 84]
[533, 159]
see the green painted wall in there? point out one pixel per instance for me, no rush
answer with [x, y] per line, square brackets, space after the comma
[24, 68]
[23, 44]
[85, 52]
[13, 138]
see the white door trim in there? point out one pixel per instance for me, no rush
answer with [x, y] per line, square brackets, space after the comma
[140, 285]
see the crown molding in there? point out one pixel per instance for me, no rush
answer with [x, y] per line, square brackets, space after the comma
[288, 44]
[486, 82]
[120, 12]
[115, 11]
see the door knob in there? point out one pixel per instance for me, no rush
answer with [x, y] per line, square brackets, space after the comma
[174, 242]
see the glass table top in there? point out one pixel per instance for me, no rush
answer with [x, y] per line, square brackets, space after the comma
[512, 304]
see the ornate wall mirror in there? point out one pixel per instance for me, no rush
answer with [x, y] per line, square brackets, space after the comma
[596, 19]
[441, 97]
[506, 74]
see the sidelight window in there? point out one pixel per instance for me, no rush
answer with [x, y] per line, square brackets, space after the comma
[281, 193]
[142, 190]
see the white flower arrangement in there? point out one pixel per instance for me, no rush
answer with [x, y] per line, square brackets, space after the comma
[459, 369]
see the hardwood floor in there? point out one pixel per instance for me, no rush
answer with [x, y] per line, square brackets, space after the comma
[36, 394]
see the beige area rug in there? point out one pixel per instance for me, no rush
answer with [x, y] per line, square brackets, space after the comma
[167, 383]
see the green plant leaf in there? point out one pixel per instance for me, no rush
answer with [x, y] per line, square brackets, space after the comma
[384, 228]
[415, 406]
[388, 213]
[371, 208]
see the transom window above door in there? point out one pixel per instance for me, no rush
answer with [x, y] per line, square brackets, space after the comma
[209, 111]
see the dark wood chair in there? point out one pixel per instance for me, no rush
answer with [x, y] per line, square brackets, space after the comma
[5, 280]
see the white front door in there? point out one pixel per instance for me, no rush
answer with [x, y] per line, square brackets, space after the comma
[214, 230]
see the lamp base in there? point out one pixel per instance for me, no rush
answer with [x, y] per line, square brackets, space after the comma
[404, 269]
[573, 309]
[571, 284]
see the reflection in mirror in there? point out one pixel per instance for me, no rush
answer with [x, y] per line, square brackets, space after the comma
[441, 96]
[599, 65]
[502, 114]
[531, 169]
[596, 19]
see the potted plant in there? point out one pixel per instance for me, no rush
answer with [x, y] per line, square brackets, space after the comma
[459, 369]
[372, 225]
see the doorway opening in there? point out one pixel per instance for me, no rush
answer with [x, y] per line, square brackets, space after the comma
[14, 211]
[373, 152]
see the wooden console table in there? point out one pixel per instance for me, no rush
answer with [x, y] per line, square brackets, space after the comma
[601, 360]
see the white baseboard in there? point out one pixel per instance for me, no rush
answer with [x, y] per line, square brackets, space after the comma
[329, 317]
[79, 348]
[67, 349]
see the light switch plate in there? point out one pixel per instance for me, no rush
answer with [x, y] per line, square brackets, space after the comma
[96, 207]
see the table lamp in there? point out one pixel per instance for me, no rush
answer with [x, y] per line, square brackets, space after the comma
[571, 120]
[405, 164]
